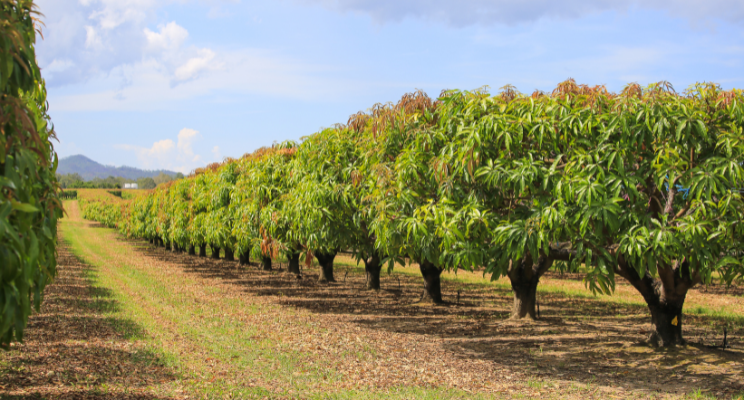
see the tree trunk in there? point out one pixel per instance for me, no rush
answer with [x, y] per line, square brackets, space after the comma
[266, 263]
[666, 319]
[525, 299]
[167, 245]
[372, 268]
[432, 283]
[202, 250]
[229, 255]
[326, 266]
[524, 276]
[294, 263]
[215, 252]
[192, 250]
[244, 258]
[665, 297]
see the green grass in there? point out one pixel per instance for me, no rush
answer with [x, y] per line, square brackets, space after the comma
[721, 315]
[132, 293]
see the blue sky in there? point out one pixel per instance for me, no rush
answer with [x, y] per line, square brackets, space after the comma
[178, 84]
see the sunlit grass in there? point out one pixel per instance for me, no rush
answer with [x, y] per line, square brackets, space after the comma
[192, 329]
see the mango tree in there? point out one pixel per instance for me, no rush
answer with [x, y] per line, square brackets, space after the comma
[261, 183]
[29, 202]
[403, 189]
[324, 200]
[589, 177]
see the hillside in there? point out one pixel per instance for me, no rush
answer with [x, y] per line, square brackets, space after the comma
[90, 169]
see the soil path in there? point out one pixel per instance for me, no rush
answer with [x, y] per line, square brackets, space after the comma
[272, 333]
[73, 350]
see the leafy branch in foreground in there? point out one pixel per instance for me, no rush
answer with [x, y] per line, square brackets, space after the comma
[29, 202]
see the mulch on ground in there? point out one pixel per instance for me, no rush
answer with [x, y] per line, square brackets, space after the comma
[578, 344]
[377, 341]
[73, 351]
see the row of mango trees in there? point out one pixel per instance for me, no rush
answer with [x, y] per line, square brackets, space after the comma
[641, 185]
[29, 202]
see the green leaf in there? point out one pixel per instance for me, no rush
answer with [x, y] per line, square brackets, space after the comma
[24, 207]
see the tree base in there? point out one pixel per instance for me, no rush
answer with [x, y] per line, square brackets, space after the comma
[244, 258]
[203, 250]
[524, 276]
[667, 322]
[326, 266]
[192, 250]
[294, 263]
[525, 300]
[229, 254]
[215, 253]
[266, 263]
[432, 283]
[372, 269]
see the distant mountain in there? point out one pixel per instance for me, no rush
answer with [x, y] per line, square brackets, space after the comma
[90, 169]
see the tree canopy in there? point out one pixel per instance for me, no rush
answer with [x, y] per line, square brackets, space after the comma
[644, 184]
[29, 202]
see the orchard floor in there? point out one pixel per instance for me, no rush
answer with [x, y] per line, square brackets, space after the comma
[128, 320]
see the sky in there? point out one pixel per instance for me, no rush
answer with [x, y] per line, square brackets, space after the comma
[178, 84]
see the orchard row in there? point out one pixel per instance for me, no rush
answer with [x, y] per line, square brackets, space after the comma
[29, 202]
[641, 185]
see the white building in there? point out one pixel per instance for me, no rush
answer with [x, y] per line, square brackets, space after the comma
[130, 186]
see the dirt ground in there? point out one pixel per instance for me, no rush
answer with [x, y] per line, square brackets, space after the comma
[579, 348]
[71, 349]
[472, 344]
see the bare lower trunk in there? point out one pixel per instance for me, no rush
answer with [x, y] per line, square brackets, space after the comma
[294, 263]
[203, 250]
[667, 322]
[229, 255]
[266, 263]
[215, 252]
[524, 276]
[167, 245]
[525, 299]
[372, 268]
[326, 266]
[192, 250]
[665, 298]
[244, 258]
[432, 282]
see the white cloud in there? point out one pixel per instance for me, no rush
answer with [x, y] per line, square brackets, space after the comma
[186, 137]
[216, 153]
[92, 39]
[114, 13]
[100, 36]
[170, 37]
[167, 154]
[160, 153]
[59, 65]
[509, 12]
[194, 65]
[247, 71]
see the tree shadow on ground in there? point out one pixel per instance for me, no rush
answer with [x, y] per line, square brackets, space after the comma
[578, 339]
[73, 348]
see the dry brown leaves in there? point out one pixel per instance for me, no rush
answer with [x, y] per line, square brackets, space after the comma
[581, 348]
[71, 350]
